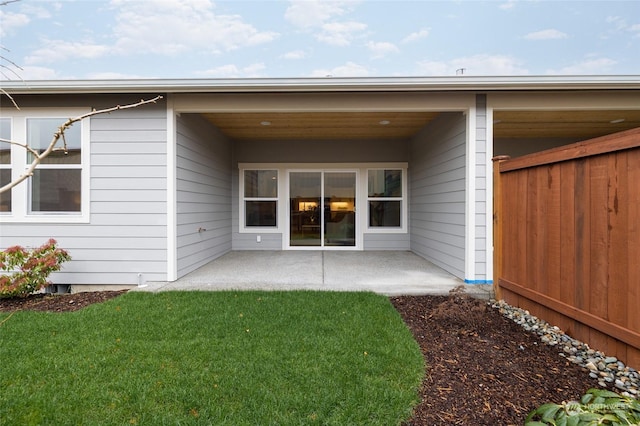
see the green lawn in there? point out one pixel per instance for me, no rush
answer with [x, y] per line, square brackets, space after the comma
[236, 358]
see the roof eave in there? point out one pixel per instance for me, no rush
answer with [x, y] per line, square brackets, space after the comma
[328, 84]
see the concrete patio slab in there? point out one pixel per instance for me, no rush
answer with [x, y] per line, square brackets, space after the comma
[384, 272]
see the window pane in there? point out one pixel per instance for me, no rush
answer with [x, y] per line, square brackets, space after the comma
[5, 197]
[40, 133]
[5, 148]
[55, 190]
[261, 183]
[385, 183]
[260, 213]
[384, 213]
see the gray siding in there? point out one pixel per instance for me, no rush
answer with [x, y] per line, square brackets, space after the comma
[314, 151]
[519, 147]
[126, 239]
[332, 151]
[437, 192]
[203, 193]
[386, 241]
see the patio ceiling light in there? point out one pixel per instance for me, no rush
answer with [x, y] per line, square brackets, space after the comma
[616, 121]
[265, 123]
[384, 122]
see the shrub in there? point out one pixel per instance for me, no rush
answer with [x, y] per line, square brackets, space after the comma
[28, 269]
[596, 407]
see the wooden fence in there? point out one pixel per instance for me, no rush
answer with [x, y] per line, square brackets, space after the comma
[567, 239]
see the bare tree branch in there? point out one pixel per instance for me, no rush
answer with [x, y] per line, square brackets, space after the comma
[23, 145]
[60, 133]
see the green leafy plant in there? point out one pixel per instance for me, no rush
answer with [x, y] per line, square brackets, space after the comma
[27, 270]
[596, 407]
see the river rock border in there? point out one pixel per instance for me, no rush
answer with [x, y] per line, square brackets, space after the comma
[608, 370]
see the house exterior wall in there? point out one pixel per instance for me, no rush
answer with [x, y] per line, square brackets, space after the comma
[124, 240]
[203, 193]
[437, 168]
[301, 152]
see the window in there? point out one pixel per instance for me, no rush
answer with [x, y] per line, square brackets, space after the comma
[5, 164]
[260, 198]
[58, 189]
[57, 182]
[384, 198]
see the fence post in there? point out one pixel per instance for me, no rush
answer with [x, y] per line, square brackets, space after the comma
[497, 224]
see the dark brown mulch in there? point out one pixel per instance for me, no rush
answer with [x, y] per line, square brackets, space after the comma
[56, 302]
[482, 368]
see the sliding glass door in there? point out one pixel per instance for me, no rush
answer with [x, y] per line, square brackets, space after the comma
[322, 209]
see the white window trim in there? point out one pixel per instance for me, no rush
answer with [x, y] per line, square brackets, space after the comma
[402, 229]
[244, 229]
[362, 207]
[20, 211]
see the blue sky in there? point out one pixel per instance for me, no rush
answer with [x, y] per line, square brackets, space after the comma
[103, 39]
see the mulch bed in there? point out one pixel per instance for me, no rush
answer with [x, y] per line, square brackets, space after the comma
[57, 302]
[483, 369]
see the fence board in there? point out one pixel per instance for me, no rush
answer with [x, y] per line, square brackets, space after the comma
[567, 237]
[633, 235]
[569, 249]
[552, 248]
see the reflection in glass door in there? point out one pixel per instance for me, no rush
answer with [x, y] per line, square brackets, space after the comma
[322, 209]
[339, 209]
[305, 193]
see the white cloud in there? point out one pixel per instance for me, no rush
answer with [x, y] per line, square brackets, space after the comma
[40, 12]
[474, 65]
[60, 50]
[171, 27]
[38, 73]
[621, 24]
[549, 34]
[589, 66]
[350, 69]
[314, 13]
[510, 4]
[11, 21]
[418, 35]
[618, 22]
[233, 71]
[340, 33]
[294, 54]
[381, 49]
[319, 17]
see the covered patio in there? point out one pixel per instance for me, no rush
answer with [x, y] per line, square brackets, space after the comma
[384, 272]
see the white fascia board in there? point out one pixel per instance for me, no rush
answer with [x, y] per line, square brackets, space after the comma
[456, 83]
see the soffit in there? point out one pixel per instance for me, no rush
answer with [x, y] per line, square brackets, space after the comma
[562, 124]
[403, 125]
[321, 125]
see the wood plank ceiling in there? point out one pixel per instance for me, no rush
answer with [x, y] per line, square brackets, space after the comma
[562, 124]
[323, 125]
[403, 125]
